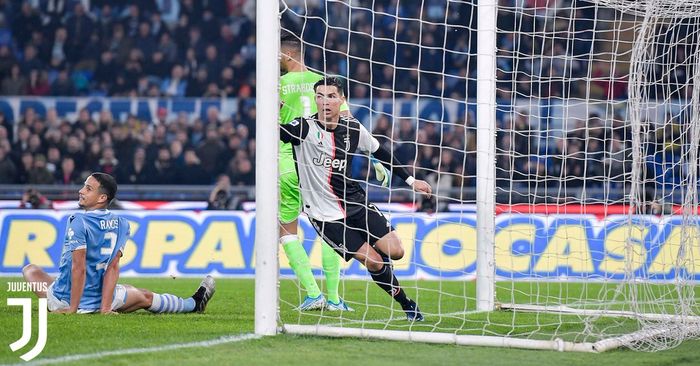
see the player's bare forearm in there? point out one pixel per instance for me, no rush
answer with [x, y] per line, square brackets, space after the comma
[77, 279]
[109, 283]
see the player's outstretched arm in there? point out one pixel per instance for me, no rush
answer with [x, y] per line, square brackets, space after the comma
[371, 145]
[77, 279]
[294, 132]
[109, 283]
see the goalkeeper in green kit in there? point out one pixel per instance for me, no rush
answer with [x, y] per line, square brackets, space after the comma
[297, 99]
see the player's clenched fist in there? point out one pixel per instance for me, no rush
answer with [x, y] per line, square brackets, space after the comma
[422, 186]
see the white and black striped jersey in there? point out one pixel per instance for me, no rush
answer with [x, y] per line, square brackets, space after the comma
[323, 160]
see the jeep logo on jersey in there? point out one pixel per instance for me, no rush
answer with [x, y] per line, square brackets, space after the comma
[326, 162]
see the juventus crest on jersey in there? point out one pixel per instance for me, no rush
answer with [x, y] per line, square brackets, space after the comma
[324, 159]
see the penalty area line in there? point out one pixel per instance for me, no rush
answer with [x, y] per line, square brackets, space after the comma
[133, 351]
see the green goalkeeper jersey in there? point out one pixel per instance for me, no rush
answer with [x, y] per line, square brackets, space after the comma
[297, 99]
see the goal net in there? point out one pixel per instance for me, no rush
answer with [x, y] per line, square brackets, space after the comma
[560, 138]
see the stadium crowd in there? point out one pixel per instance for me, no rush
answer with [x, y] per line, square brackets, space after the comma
[51, 150]
[190, 48]
[127, 48]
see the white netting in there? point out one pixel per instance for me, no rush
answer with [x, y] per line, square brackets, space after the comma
[663, 77]
[597, 242]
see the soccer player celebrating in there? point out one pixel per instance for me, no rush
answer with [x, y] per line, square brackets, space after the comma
[89, 266]
[324, 145]
[297, 100]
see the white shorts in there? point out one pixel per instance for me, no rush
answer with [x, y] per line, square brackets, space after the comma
[55, 304]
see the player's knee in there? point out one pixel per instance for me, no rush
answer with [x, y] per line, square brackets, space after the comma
[374, 263]
[374, 266]
[397, 252]
[29, 269]
[147, 297]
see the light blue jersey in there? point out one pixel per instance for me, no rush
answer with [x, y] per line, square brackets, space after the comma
[102, 234]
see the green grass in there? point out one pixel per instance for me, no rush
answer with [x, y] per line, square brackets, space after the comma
[232, 312]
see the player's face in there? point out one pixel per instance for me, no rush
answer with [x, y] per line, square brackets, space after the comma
[90, 197]
[285, 58]
[328, 102]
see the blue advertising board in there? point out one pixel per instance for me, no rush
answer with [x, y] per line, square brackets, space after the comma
[573, 247]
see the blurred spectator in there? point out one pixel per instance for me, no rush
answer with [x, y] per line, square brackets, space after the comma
[175, 85]
[26, 22]
[210, 149]
[192, 172]
[221, 197]
[35, 200]
[38, 84]
[63, 85]
[164, 170]
[67, 173]
[39, 174]
[15, 83]
[169, 10]
[26, 165]
[108, 163]
[137, 171]
[8, 170]
[241, 170]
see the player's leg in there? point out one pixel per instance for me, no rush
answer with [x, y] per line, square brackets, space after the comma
[332, 234]
[137, 298]
[35, 274]
[383, 275]
[41, 280]
[383, 237]
[331, 270]
[289, 210]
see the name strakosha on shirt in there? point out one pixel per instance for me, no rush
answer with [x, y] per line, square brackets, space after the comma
[298, 88]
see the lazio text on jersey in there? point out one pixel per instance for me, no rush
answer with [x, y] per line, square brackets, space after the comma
[102, 234]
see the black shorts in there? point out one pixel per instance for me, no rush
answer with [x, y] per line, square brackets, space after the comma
[348, 235]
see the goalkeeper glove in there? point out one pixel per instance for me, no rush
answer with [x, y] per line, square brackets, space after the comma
[381, 173]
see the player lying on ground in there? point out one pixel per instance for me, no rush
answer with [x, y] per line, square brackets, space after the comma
[89, 266]
[324, 145]
[296, 97]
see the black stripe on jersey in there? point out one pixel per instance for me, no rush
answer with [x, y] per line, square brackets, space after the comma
[346, 138]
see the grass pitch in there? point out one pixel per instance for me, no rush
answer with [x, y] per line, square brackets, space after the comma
[231, 313]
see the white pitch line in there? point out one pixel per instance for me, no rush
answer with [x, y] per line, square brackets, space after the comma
[132, 351]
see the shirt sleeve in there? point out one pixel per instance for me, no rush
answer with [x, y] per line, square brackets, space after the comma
[367, 143]
[124, 234]
[76, 233]
[294, 132]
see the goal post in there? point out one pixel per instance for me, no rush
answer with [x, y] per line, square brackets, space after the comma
[486, 154]
[561, 139]
[266, 197]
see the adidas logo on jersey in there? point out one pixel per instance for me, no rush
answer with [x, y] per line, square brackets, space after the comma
[326, 162]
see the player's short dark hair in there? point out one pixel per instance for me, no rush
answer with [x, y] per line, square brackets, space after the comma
[331, 81]
[108, 185]
[290, 40]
